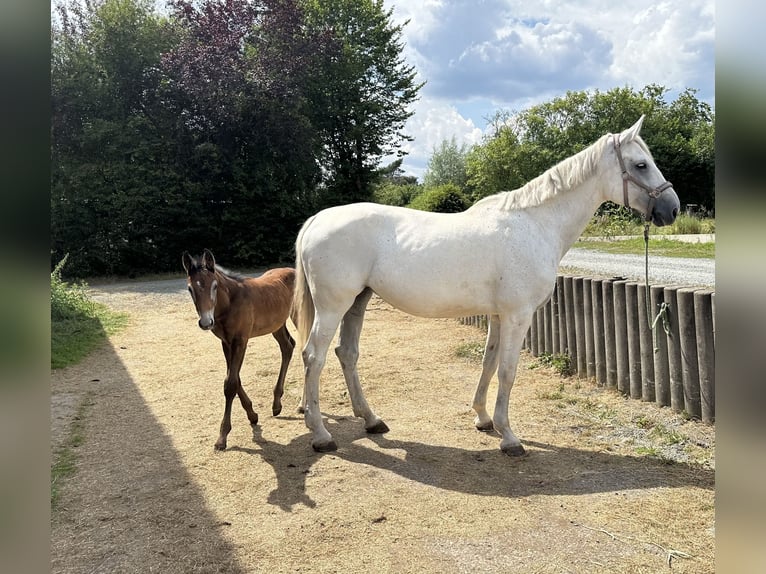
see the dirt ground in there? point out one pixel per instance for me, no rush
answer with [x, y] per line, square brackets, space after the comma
[609, 484]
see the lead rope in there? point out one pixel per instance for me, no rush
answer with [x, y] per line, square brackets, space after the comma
[663, 312]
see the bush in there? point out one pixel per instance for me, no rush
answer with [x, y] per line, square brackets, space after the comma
[441, 199]
[78, 324]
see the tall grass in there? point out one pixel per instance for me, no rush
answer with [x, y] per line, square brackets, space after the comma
[78, 324]
[622, 222]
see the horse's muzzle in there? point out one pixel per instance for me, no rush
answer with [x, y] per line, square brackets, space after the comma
[665, 208]
[206, 324]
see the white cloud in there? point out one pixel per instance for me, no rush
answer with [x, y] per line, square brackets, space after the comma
[435, 121]
[514, 53]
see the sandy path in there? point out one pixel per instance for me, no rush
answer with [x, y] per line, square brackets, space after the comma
[433, 495]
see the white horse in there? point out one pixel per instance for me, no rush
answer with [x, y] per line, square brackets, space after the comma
[500, 258]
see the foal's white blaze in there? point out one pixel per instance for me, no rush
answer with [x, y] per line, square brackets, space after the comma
[498, 258]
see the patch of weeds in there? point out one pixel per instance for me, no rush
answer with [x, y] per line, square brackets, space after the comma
[667, 436]
[647, 451]
[561, 363]
[643, 422]
[65, 457]
[473, 351]
[78, 324]
[552, 395]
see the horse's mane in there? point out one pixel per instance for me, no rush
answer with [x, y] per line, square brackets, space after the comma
[565, 175]
[229, 274]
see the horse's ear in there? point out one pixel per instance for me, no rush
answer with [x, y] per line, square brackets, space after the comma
[633, 130]
[208, 261]
[187, 261]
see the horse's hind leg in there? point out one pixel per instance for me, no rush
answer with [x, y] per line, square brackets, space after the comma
[314, 358]
[286, 345]
[348, 354]
[483, 421]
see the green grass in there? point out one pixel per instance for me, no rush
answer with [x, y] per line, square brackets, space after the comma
[65, 456]
[473, 351]
[657, 246]
[561, 363]
[78, 324]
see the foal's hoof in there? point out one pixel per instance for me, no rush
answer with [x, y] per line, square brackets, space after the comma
[325, 447]
[220, 446]
[253, 420]
[514, 450]
[276, 409]
[485, 427]
[378, 428]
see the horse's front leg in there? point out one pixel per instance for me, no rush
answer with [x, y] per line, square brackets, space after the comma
[232, 386]
[286, 346]
[483, 421]
[510, 340]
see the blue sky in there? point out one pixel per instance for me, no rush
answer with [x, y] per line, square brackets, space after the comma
[481, 56]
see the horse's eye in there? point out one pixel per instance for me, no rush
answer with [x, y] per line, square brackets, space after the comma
[641, 165]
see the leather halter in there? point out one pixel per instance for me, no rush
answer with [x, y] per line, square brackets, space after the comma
[654, 192]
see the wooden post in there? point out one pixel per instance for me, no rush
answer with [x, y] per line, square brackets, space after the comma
[590, 351]
[660, 352]
[555, 325]
[562, 317]
[703, 320]
[599, 350]
[577, 292]
[571, 345]
[646, 345]
[677, 403]
[610, 345]
[689, 364]
[621, 337]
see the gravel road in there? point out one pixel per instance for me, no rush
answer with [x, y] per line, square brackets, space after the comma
[662, 270]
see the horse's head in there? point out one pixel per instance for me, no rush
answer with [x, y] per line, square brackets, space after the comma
[203, 286]
[641, 184]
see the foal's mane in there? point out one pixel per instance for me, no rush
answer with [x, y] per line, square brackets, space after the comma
[229, 274]
[563, 176]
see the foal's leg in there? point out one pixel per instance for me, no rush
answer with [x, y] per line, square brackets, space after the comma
[489, 365]
[232, 386]
[348, 355]
[286, 345]
[314, 357]
[511, 337]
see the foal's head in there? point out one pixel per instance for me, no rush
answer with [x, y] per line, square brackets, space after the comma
[203, 286]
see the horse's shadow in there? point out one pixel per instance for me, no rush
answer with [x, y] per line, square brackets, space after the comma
[486, 472]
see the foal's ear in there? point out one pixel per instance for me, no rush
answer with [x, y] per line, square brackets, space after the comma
[633, 130]
[186, 261]
[208, 261]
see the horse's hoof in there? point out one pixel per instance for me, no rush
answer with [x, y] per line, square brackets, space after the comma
[254, 420]
[485, 427]
[379, 428]
[219, 446]
[514, 450]
[276, 410]
[301, 409]
[326, 447]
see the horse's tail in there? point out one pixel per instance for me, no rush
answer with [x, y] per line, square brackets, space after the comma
[303, 303]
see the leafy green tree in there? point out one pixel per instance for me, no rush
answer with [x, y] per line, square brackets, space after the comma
[494, 165]
[108, 155]
[680, 135]
[361, 90]
[447, 165]
[395, 188]
[447, 198]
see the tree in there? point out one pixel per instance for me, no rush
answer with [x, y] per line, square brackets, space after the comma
[445, 198]
[361, 91]
[447, 165]
[524, 145]
[107, 150]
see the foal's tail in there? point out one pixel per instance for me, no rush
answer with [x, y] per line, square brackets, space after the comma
[303, 303]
